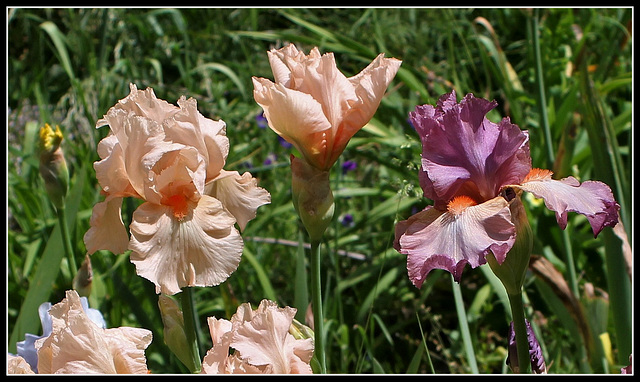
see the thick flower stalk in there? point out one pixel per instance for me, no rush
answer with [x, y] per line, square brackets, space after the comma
[172, 158]
[472, 169]
[317, 109]
[258, 342]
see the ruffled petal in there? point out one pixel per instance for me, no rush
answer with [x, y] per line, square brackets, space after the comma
[265, 340]
[449, 240]
[239, 194]
[107, 228]
[77, 346]
[216, 358]
[465, 153]
[592, 199]
[18, 365]
[191, 128]
[202, 249]
[139, 102]
[175, 169]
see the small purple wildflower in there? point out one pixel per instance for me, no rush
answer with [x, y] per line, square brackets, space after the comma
[270, 159]
[261, 120]
[347, 220]
[348, 166]
[284, 143]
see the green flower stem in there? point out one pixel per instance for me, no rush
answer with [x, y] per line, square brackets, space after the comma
[520, 328]
[66, 240]
[190, 316]
[318, 320]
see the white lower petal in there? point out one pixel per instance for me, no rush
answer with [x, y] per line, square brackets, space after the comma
[202, 249]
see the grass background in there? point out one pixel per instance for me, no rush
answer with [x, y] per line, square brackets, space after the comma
[569, 84]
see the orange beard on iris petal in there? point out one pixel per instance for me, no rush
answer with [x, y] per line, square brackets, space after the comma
[179, 204]
[538, 174]
[458, 204]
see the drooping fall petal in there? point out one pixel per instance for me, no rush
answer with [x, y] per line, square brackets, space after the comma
[592, 199]
[201, 250]
[107, 228]
[449, 240]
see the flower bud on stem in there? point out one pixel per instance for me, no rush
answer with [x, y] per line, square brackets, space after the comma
[313, 200]
[312, 197]
[54, 172]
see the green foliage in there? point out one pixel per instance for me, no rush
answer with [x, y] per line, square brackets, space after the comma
[67, 67]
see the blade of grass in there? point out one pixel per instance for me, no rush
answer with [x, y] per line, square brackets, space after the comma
[464, 326]
[267, 288]
[542, 100]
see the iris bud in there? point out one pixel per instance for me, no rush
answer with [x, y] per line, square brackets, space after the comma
[174, 334]
[53, 167]
[312, 197]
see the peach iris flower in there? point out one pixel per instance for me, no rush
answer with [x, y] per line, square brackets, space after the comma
[261, 343]
[315, 107]
[76, 345]
[172, 158]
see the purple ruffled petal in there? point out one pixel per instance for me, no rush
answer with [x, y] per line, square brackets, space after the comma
[448, 240]
[465, 153]
[592, 199]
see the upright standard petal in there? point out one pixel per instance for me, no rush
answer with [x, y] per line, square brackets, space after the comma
[592, 199]
[295, 116]
[465, 153]
[201, 250]
[449, 240]
[191, 128]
